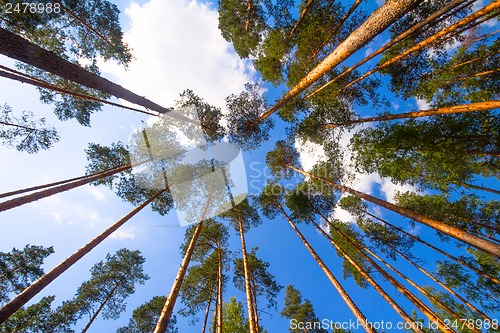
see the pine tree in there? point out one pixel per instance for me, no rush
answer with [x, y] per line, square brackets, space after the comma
[300, 311]
[145, 316]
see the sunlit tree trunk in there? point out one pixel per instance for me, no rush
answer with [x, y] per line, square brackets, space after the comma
[396, 40]
[449, 230]
[249, 12]
[250, 305]
[101, 306]
[423, 44]
[380, 19]
[27, 294]
[168, 308]
[9, 204]
[219, 288]
[473, 107]
[345, 296]
[18, 48]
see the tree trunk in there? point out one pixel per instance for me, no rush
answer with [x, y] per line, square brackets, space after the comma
[9, 204]
[486, 10]
[207, 312]
[405, 34]
[472, 107]
[18, 48]
[219, 288]
[301, 17]
[380, 19]
[404, 291]
[250, 306]
[345, 296]
[27, 294]
[336, 28]
[249, 11]
[368, 278]
[463, 78]
[482, 244]
[94, 316]
[444, 286]
[446, 254]
[481, 188]
[18, 126]
[39, 187]
[23, 78]
[168, 308]
[254, 298]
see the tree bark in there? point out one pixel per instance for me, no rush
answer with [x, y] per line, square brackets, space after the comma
[249, 11]
[9, 204]
[207, 312]
[382, 18]
[472, 107]
[486, 10]
[368, 278]
[446, 254]
[94, 316]
[250, 306]
[345, 296]
[27, 294]
[459, 234]
[219, 288]
[168, 308]
[405, 34]
[18, 48]
[481, 188]
[301, 17]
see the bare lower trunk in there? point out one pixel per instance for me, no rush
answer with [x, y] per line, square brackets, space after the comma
[250, 306]
[168, 308]
[207, 312]
[423, 44]
[383, 17]
[399, 310]
[18, 48]
[17, 302]
[94, 316]
[479, 272]
[9, 204]
[345, 296]
[449, 230]
[473, 107]
[219, 289]
[384, 48]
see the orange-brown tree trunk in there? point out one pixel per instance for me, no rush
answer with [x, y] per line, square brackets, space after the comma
[449, 230]
[27, 294]
[101, 306]
[301, 17]
[345, 296]
[472, 107]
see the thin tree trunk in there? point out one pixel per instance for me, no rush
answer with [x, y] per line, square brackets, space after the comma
[23, 78]
[9, 204]
[345, 296]
[446, 254]
[250, 306]
[486, 10]
[383, 17]
[207, 312]
[94, 316]
[39, 187]
[18, 48]
[463, 78]
[255, 309]
[219, 288]
[249, 11]
[168, 308]
[405, 34]
[365, 275]
[82, 22]
[472, 107]
[18, 126]
[432, 315]
[301, 17]
[482, 244]
[481, 188]
[409, 295]
[27, 294]
[216, 311]
[337, 27]
[444, 286]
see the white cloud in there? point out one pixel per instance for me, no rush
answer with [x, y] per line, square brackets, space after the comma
[177, 46]
[98, 193]
[422, 104]
[125, 233]
[389, 189]
[310, 153]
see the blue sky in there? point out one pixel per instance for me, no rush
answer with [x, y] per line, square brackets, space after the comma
[177, 46]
